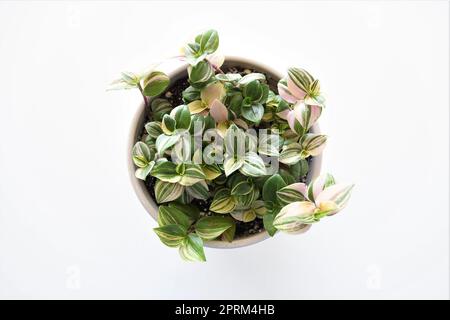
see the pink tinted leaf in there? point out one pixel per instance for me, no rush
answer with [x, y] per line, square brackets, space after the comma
[298, 93]
[338, 193]
[218, 111]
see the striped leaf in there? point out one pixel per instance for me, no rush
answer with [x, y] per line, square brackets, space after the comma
[245, 201]
[153, 129]
[337, 194]
[211, 171]
[166, 171]
[228, 77]
[270, 188]
[260, 208]
[198, 190]
[208, 41]
[166, 191]
[319, 184]
[168, 215]
[209, 228]
[291, 154]
[171, 235]
[253, 112]
[223, 202]
[232, 164]
[294, 214]
[142, 154]
[304, 116]
[292, 193]
[200, 73]
[191, 248]
[284, 92]
[164, 142]
[269, 145]
[212, 92]
[253, 165]
[192, 174]
[155, 83]
[168, 125]
[300, 79]
[229, 234]
[251, 77]
[142, 173]
[312, 144]
[182, 117]
[242, 187]
[160, 107]
[246, 215]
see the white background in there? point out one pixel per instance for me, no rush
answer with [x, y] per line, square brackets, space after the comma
[71, 225]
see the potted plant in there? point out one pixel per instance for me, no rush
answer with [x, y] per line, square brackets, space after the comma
[225, 152]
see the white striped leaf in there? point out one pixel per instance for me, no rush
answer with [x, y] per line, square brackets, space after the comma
[166, 171]
[193, 173]
[292, 193]
[246, 215]
[339, 194]
[160, 107]
[142, 154]
[319, 184]
[210, 228]
[173, 215]
[253, 165]
[164, 142]
[211, 171]
[142, 173]
[198, 190]
[153, 129]
[241, 187]
[232, 164]
[294, 214]
[260, 208]
[300, 78]
[171, 235]
[168, 124]
[251, 77]
[191, 248]
[291, 154]
[200, 73]
[223, 202]
[166, 191]
[228, 77]
[244, 201]
[312, 144]
[269, 145]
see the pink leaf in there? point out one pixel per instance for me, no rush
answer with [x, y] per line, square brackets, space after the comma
[298, 93]
[218, 111]
[285, 94]
[338, 193]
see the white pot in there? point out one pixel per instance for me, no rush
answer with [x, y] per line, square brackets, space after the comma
[138, 124]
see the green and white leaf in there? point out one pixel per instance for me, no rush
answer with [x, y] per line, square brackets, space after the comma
[192, 174]
[142, 154]
[191, 248]
[166, 191]
[164, 142]
[166, 171]
[251, 77]
[172, 235]
[168, 214]
[210, 228]
[153, 129]
[269, 145]
[253, 165]
[291, 154]
[312, 144]
[232, 164]
[223, 202]
[155, 83]
[198, 190]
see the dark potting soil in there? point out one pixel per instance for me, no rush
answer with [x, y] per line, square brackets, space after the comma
[174, 96]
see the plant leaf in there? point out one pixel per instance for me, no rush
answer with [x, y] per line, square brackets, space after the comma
[269, 145]
[142, 154]
[209, 41]
[155, 83]
[222, 202]
[270, 188]
[231, 164]
[292, 193]
[153, 129]
[183, 117]
[253, 165]
[253, 113]
[295, 214]
[339, 194]
[166, 171]
[210, 228]
[197, 106]
[312, 144]
[319, 184]
[228, 235]
[251, 77]
[166, 191]
[200, 73]
[171, 215]
[171, 235]
[192, 174]
[168, 125]
[191, 248]
[228, 77]
[268, 224]
[291, 154]
[198, 190]
[142, 173]
[164, 142]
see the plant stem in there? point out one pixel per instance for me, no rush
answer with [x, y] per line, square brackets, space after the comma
[143, 96]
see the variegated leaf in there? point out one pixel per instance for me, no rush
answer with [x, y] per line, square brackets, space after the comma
[228, 77]
[212, 92]
[251, 77]
[222, 202]
[166, 171]
[164, 142]
[142, 154]
[291, 154]
[339, 194]
[269, 145]
[142, 173]
[294, 214]
[160, 107]
[198, 190]
[319, 184]
[260, 208]
[292, 193]
[197, 106]
[153, 129]
[193, 173]
[299, 81]
[232, 164]
[171, 235]
[191, 248]
[166, 191]
[253, 165]
[168, 214]
[210, 228]
[312, 144]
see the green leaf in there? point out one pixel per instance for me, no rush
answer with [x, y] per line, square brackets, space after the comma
[229, 234]
[191, 211]
[291, 154]
[209, 41]
[198, 190]
[183, 118]
[245, 201]
[128, 80]
[268, 224]
[253, 113]
[142, 173]
[168, 125]
[191, 94]
[290, 194]
[312, 144]
[253, 165]
[200, 73]
[222, 202]
[168, 215]
[192, 174]
[155, 83]
[253, 90]
[166, 191]
[209, 228]
[164, 142]
[153, 129]
[160, 107]
[166, 171]
[251, 77]
[191, 248]
[172, 235]
[232, 164]
[270, 188]
[228, 77]
[142, 154]
[242, 187]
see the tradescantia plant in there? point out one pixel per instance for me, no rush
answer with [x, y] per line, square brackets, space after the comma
[236, 151]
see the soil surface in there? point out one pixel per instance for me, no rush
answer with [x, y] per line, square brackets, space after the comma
[174, 96]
